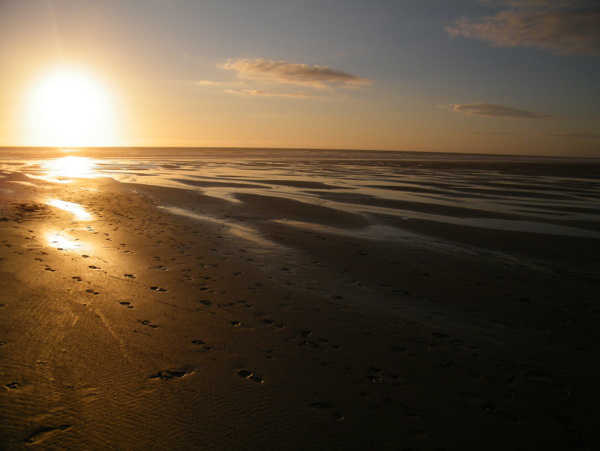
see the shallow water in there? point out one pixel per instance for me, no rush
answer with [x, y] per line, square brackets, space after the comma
[539, 195]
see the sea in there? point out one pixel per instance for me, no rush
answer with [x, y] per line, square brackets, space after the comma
[541, 195]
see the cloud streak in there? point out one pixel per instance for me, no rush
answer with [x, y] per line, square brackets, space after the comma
[207, 83]
[493, 133]
[491, 110]
[531, 4]
[562, 27]
[319, 77]
[581, 135]
[267, 93]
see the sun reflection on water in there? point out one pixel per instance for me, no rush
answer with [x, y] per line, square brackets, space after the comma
[63, 242]
[75, 209]
[75, 167]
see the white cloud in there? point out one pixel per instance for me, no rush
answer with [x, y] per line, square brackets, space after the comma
[293, 73]
[565, 27]
[491, 110]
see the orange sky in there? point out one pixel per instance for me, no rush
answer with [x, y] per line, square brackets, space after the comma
[426, 76]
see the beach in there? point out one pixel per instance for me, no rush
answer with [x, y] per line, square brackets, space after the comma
[313, 302]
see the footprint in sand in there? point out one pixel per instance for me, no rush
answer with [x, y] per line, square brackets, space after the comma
[304, 338]
[162, 290]
[249, 375]
[327, 406]
[201, 343]
[378, 376]
[45, 432]
[272, 324]
[166, 375]
[147, 323]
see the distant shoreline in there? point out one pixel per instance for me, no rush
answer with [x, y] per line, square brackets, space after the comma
[10, 152]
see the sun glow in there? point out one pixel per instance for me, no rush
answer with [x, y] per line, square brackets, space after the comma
[69, 108]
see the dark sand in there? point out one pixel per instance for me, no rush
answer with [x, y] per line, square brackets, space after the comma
[166, 332]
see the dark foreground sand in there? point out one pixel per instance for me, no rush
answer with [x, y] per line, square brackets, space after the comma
[165, 332]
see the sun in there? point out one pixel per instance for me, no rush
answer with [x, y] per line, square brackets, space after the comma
[69, 108]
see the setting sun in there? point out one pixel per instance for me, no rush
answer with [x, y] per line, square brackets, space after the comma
[69, 108]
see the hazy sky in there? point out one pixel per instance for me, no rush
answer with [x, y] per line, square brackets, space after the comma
[493, 76]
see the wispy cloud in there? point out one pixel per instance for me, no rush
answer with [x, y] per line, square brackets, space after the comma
[577, 135]
[293, 73]
[267, 93]
[491, 110]
[493, 133]
[535, 3]
[564, 27]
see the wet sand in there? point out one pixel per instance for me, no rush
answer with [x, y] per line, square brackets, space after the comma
[140, 328]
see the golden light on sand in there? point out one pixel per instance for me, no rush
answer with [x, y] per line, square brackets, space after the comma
[75, 209]
[62, 242]
[76, 167]
[69, 108]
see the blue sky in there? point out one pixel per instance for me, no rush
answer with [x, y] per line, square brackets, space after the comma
[493, 76]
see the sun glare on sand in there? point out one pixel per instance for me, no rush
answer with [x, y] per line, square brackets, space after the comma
[69, 108]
